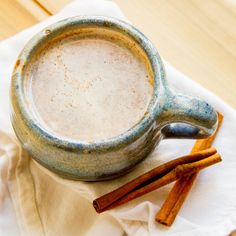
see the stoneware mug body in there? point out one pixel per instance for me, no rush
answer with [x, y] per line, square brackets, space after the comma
[169, 115]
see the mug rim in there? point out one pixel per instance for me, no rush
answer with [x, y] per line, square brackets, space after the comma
[122, 139]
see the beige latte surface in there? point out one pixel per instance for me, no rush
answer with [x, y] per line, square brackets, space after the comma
[89, 89]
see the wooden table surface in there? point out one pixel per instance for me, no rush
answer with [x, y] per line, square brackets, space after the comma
[198, 37]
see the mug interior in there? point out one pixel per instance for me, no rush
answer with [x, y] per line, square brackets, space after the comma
[98, 27]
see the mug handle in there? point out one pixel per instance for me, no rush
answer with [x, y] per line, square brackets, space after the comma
[187, 117]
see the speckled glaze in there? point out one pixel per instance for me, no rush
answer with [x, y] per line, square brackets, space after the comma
[169, 115]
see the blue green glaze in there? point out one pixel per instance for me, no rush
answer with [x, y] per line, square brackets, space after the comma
[112, 157]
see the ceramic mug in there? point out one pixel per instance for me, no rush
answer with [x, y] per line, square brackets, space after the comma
[169, 114]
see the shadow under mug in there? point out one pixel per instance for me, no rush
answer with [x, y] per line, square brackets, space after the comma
[169, 115]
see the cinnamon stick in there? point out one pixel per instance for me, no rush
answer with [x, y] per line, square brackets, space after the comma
[178, 172]
[151, 180]
[179, 192]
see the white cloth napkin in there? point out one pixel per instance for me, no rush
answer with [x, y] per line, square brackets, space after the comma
[34, 201]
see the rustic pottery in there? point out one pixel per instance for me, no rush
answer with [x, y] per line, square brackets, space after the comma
[169, 115]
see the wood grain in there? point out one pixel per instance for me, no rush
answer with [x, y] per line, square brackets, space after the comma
[16, 15]
[52, 5]
[198, 37]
